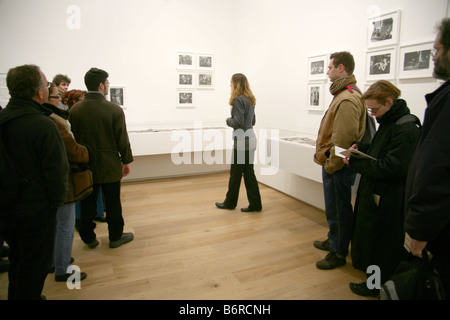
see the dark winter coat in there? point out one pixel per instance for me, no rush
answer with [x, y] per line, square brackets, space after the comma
[34, 143]
[428, 188]
[378, 235]
[100, 124]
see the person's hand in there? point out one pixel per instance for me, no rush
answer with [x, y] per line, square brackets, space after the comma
[125, 170]
[417, 247]
[347, 159]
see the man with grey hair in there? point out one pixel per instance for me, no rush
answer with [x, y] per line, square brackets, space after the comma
[28, 217]
[428, 185]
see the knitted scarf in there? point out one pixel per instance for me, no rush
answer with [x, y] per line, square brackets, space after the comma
[339, 84]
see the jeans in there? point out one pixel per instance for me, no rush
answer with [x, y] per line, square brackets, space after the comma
[113, 208]
[65, 224]
[31, 238]
[337, 189]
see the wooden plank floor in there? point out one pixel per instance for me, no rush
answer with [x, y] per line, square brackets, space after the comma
[186, 248]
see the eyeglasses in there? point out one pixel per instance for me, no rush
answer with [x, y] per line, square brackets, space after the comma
[49, 84]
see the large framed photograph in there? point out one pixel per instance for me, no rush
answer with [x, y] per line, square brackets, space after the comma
[185, 61]
[416, 61]
[205, 80]
[380, 64]
[316, 96]
[185, 79]
[205, 61]
[117, 95]
[383, 30]
[185, 98]
[317, 68]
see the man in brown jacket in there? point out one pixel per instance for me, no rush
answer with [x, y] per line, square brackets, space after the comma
[101, 125]
[342, 124]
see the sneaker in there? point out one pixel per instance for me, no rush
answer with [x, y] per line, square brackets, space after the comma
[126, 237]
[323, 245]
[331, 261]
[362, 290]
[64, 277]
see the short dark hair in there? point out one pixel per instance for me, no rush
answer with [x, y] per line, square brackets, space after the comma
[346, 59]
[444, 29]
[24, 81]
[94, 77]
[60, 78]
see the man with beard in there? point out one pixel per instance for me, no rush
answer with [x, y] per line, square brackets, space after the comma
[428, 184]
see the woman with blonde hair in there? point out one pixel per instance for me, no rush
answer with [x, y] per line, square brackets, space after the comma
[378, 235]
[242, 121]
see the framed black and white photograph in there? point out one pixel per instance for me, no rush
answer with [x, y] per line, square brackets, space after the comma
[316, 96]
[318, 67]
[185, 98]
[383, 30]
[185, 61]
[205, 80]
[416, 61]
[205, 61]
[380, 64]
[117, 95]
[185, 79]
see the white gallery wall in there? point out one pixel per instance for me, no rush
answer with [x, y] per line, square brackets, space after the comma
[136, 41]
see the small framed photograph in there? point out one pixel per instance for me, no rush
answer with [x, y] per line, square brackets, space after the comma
[117, 95]
[185, 98]
[416, 61]
[317, 68]
[205, 80]
[205, 61]
[185, 79]
[185, 61]
[383, 30]
[380, 64]
[316, 96]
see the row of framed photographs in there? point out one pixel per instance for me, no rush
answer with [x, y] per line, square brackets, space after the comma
[195, 61]
[191, 80]
[415, 61]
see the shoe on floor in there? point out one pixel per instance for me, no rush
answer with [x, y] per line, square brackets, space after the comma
[362, 290]
[323, 245]
[93, 244]
[331, 261]
[221, 205]
[126, 237]
[75, 276]
[250, 210]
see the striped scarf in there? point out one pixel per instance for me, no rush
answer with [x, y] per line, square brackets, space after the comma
[338, 85]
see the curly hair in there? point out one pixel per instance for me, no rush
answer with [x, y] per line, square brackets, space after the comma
[71, 97]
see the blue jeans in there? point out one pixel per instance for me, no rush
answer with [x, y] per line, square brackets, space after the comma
[65, 224]
[337, 189]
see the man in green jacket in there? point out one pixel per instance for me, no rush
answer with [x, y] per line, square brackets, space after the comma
[100, 124]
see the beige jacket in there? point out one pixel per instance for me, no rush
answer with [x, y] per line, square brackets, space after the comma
[343, 123]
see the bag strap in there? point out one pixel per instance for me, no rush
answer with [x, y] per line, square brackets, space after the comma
[352, 88]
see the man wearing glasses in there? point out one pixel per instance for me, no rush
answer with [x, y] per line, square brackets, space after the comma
[428, 184]
[28, 216]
